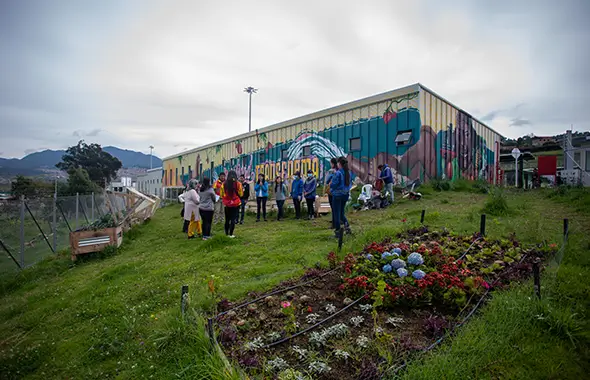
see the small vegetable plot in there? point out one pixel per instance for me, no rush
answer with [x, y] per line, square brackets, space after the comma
[373, 309]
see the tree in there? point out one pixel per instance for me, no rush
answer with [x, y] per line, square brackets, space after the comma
[23, 186]
[98, 164]
[80, 182]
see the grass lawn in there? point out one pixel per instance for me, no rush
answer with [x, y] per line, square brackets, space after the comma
[119, 316]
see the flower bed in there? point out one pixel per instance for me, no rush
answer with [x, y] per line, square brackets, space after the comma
[399, 296]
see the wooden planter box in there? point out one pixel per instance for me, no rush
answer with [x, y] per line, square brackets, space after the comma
[83, 242]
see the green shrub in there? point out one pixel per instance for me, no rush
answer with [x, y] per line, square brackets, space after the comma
[481, 186]
[496, 204]
[441, 184]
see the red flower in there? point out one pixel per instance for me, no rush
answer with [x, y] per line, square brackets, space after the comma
[404, 220]
[309, 309]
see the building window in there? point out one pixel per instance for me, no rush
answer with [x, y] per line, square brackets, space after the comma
[307, 151]
[182, 171]
[355, 144]
[403, 138]
[262, 157]
[170, 179]
[588, 160]
[190, 172]
[175, 177]
[285, 154]
[577, 160]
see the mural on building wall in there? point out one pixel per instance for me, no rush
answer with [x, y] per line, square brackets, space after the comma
[456, 151]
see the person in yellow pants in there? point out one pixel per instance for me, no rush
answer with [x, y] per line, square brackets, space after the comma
[191, 209]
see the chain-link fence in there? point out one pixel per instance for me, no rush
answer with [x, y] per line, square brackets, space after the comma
[32, 229]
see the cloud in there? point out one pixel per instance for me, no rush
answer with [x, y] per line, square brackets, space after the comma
[139, 73]
[94, 132]
[519, 122]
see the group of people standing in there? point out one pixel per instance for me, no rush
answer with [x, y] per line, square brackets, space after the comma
[205, 204]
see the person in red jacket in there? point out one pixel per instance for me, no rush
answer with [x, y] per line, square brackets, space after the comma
[231, 193]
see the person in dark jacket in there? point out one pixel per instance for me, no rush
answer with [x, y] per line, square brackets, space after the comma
[340, 188]
[387, 177]
[297, 193]
[261, 190]
[333, 169]
[245, 197]
[309, 192]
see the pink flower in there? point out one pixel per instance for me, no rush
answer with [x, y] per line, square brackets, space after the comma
[485, 285]
[285, 304]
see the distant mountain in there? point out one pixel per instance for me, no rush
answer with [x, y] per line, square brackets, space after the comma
[35, 163]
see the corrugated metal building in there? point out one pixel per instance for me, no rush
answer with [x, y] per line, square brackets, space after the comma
[417, 132]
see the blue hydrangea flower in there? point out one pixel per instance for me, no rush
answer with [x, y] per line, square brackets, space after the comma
[402, 272]
[398, 251]
[418, 274]
[398, 263]
[369, 256]
[415, 259]
[387, 268]
[385, 255]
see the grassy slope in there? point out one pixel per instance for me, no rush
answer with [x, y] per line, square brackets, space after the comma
[119, 316]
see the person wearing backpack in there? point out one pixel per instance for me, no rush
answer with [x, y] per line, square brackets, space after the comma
[297, 193]
[387, 177]
[340, 188]
[261, 190]
[309, 192]
[281, 196]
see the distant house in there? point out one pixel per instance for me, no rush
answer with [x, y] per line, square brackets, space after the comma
[577, 160]
[543, 140]
[150, 182]
[121, 183]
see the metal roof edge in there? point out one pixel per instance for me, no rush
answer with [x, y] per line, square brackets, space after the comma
[314, 115]
[460, 109]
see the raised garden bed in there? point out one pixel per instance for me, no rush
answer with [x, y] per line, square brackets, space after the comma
[374, 309]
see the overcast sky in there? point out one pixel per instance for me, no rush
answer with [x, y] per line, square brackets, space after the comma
[134, 73]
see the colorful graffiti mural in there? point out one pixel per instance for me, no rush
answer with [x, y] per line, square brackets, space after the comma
[397, 137]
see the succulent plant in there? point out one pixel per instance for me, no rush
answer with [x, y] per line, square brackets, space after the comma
[273, 336]
[394, 321]
[357, 321]
[275, 365]
[341, 354]
[312, 318]
[367, 308]
[254, 345]
[301, 352]
[318, 367]
[330, 308]
[362, 341]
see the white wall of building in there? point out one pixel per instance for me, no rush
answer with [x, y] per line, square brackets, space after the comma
[150, 182]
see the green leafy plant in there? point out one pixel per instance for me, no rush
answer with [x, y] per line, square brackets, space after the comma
[496, 204]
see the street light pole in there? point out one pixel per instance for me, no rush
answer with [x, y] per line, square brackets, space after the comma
[250, 90]
[151, 149]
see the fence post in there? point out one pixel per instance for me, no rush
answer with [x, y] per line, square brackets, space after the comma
[537, 279]
[422, 216]
[482, 225]
[77, 203]
[55, 222]
[183, 296]
[92, 204]
[22, 231]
